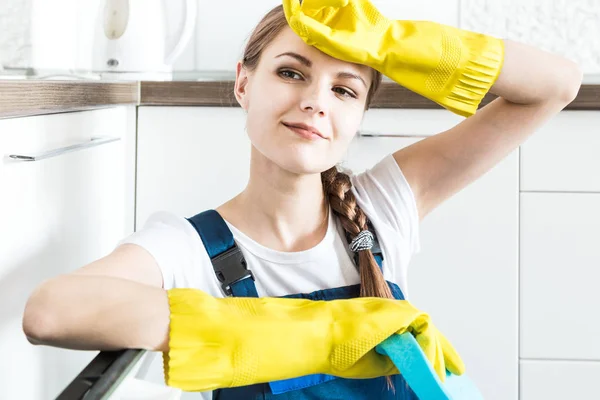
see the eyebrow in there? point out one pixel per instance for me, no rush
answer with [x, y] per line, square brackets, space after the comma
[305, 61]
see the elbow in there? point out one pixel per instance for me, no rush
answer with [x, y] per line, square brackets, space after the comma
[570, 83]
[38, 321]
[34, 328]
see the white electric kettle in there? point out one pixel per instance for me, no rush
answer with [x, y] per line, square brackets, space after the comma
[131, 38]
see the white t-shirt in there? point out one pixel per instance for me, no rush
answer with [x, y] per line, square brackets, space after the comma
[381, 191]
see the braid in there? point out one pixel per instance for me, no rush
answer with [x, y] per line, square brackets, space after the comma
[336, 186]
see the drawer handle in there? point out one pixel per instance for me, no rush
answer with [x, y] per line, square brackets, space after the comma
[57, 152]
[364, 133]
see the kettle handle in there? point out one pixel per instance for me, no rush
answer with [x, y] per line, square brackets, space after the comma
[186, 32]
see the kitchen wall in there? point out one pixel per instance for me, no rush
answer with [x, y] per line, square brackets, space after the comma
[566, 27]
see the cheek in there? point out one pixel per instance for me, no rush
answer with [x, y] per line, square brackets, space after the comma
[269, 104]
[266, 108]
[347, 123]
[261, 126]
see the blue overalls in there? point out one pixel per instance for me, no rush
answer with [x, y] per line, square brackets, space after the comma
[237, 280]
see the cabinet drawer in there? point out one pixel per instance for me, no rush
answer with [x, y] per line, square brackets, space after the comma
[564, 155]
[408, 122]
[559, 380]
[58, 214]
[560, 271]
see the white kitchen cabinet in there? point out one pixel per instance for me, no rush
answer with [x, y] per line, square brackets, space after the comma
[466, 275]
[559, 380]
[559, 259]
[58, 214]
[563, 154]
[189, 158]
[560, 271]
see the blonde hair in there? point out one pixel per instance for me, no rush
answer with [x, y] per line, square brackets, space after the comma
[336, 184]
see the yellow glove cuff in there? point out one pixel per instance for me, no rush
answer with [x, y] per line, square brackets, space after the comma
[465, 66]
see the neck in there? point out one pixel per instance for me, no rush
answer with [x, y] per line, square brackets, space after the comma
[279, 209]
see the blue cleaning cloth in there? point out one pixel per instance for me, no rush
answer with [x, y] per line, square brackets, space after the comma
[408, 357]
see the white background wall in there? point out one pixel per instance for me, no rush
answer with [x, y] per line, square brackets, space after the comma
[571, 28]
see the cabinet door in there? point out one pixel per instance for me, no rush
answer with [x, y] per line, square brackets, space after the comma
[563, 155]
[57, 214]
[560, 271]
[189, 158]
[559, 380]
[466, 274]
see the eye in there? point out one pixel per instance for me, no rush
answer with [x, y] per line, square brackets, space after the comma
[289, 74]
[345, 92]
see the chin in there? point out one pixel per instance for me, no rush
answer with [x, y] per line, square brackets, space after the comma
[295, 158]
[302, 167]
[301, 163]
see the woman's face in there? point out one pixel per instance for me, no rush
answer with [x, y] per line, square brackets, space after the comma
[303, 106]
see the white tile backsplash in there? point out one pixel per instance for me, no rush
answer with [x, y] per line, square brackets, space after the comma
[570, 28]
[14, 31]
[442, 11]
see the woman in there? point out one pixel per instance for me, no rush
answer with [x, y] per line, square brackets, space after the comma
[301, 226]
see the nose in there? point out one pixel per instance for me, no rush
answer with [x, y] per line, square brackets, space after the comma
[314, 101]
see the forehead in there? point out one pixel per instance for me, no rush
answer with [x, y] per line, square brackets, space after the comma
[287, 40]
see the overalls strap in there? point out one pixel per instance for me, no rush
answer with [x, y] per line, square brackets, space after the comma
[228, 262]
[227, 259]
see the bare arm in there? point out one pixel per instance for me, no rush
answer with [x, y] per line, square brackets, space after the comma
[533, 86]
[113, 303]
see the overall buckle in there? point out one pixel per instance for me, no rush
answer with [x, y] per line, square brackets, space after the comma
[230, 267]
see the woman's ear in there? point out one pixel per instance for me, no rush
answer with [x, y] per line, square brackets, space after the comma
[241, 85]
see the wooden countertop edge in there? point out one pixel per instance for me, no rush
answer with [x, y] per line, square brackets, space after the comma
[390, 95]
[35, 97]
[19, 98]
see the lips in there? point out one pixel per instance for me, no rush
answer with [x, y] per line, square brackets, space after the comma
[305, 130]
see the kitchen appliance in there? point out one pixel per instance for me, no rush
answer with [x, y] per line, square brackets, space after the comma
[130, 38]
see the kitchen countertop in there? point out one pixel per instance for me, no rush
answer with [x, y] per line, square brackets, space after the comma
[20, 98]
[27, 97]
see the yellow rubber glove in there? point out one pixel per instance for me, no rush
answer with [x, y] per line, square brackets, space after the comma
[452, 67]
[236, 341]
